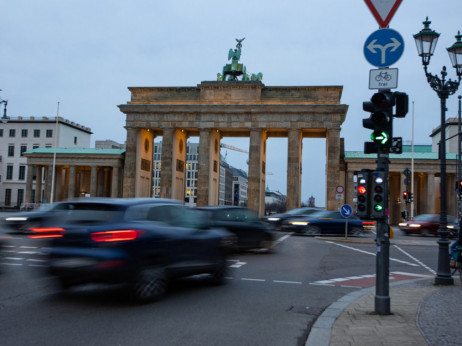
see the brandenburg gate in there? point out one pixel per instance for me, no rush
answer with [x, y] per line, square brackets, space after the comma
[229, 107]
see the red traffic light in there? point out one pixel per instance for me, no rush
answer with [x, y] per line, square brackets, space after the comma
[362, 190]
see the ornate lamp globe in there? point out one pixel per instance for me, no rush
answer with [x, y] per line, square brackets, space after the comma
[455, 54]
[426, 41]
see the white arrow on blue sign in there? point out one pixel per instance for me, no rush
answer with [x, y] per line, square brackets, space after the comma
[346, 210]
[383, 47]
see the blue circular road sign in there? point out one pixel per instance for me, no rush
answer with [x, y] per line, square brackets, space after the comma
[383, 47]
[346, 210]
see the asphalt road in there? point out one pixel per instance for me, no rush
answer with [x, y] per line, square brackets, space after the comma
[269, 298]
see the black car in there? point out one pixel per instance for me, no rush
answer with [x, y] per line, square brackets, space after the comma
[276, 220]
[144, 243]
[328, 222]
[250, 230]
[22, 222]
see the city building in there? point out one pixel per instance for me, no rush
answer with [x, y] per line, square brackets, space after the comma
[240, 185]
[20, 135]
[108, 144]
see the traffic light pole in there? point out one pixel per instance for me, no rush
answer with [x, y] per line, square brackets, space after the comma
[382, 285]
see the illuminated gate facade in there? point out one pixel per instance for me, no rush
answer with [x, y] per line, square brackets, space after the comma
[213, 110]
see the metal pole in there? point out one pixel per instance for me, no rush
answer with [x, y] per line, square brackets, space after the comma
[443, 275]
[54, 158]
[459, 173]
[412, 164]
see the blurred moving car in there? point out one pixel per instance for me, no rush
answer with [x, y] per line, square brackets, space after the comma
[144, 243]
[276, 220]
[251, 232]
[428, 224]
[328, 222]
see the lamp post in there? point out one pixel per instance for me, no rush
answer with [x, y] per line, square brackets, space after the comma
[426, 41]
[4, 117]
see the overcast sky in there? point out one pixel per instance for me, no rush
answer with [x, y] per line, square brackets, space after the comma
[85, 54]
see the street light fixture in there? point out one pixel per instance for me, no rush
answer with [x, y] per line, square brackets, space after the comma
[4, 117]
[426, 41]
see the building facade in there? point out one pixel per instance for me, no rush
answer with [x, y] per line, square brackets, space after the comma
[20, 135]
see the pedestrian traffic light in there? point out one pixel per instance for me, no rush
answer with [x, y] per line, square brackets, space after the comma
[379, 195]
[381, 119]
[363, 198]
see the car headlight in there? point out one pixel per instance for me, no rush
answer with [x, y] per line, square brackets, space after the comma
[402, 224]
[450, 226]
[415, 225]
[273, 219]
[299, 223]
[16, 218]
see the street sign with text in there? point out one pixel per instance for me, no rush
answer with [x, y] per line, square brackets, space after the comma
[383, 47]
[383, 78]
[383, 10]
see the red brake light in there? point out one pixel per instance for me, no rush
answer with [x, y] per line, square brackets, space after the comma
[116, 235]
[368, 223]
[46, 232]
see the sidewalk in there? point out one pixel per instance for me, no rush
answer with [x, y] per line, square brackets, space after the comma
[421, 313]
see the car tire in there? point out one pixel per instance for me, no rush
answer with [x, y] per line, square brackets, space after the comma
[356, 231]
[425, 232]
[313, 230]
[151, 283]
[217, 276]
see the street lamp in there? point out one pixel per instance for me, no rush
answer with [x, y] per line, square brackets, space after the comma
[426, 41]
[4, 117]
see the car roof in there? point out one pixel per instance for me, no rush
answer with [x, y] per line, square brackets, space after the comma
[220, 207]
[121, 201]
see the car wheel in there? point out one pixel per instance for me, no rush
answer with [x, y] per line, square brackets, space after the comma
[356, 231]
[313, 230]
[151, 283]
[217, 276]
[424, 232]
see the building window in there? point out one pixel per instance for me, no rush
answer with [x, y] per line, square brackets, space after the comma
[12, 133]
[11, 150]
[35, 146]
[20, 198]
[1, 132]
[48, 146]
[75, 140]
[49, 133]
[22, 173]
[23, 149]
[9, 172]
[24, 133]
[36, 133]
[7, 197]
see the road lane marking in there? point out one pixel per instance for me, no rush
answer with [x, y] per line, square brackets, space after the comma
[415, 259]
[287, 282]
[248, 279]
[373, 254]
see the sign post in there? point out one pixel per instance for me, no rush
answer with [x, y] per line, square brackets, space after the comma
[346, 211]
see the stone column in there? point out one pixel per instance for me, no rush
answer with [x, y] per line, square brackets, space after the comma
[430, 194]
[115, 182]
[332, 167]
[257, 171]
[129, 179]
[294, 169]
[145, 142]
[47, 189]
[350, 190]
[38, 184]
[179, 165]
[71, 185]
[166, 169]
[93, 180]
[29, 179]
[208, 172]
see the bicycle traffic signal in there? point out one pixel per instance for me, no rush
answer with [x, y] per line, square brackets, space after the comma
[379, 199]
[363, 195]
[381, 119]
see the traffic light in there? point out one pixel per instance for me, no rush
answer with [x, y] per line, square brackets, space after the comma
[406, 196]
[402, 104]
[459, 188]
[411, 197]
[379, 195]
[381, 119]
[363, 196]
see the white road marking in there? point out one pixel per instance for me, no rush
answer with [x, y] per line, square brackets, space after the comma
[287, 282]
[373, 254]
[415, 259]
[248, 279]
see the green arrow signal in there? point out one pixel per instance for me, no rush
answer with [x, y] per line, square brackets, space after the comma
[381, 137]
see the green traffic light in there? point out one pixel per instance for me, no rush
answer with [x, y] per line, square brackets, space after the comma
[378, 207]
[380, 137]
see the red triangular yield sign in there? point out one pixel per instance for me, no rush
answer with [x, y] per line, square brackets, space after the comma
[383, 10]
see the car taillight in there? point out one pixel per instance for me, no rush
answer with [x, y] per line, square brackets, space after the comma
[368, 223]
[46, 232]
[116, 235]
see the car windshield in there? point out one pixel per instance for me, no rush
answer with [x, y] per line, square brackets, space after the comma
[300, 211]
[425, 217]
[88, 213]
[326, 214]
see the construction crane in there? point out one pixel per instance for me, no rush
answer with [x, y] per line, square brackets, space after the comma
[227, 146]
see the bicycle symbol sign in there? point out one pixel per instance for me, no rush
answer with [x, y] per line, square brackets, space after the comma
[383, 47]
[384, 78]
